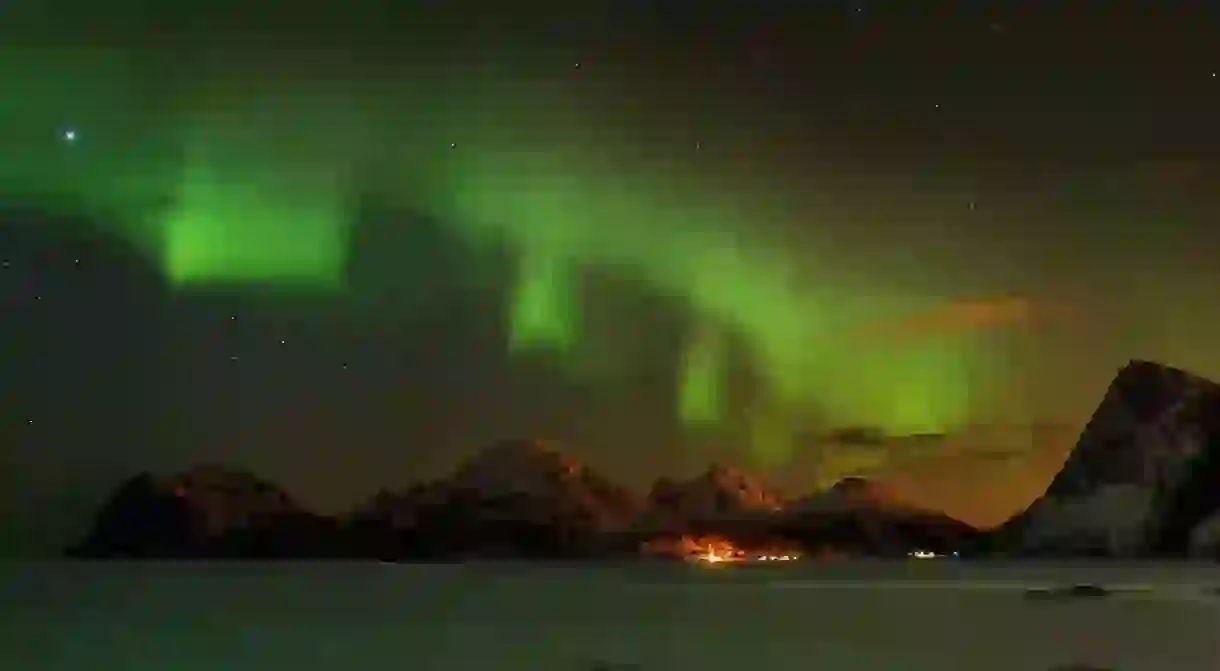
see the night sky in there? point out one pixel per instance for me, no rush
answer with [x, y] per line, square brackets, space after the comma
[347, 244]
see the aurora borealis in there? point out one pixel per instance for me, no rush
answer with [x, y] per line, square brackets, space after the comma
[758, 227]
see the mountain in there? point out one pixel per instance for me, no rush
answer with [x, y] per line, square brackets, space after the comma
[1141, 478]
[515, 498]
[720, 494]
[205, 511]
[851, 493]
[553, 483]
[856, 516]
[865, 517]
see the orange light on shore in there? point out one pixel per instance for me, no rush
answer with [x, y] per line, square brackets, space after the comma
[717, 553]
[714, 557]
[719, 550]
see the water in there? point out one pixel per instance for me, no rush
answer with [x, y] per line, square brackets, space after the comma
[869, 616]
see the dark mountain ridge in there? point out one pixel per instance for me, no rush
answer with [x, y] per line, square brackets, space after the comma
[1141, 480]
[1139, 483]
[515, 499]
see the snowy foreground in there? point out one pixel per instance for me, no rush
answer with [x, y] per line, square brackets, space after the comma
[870, 616]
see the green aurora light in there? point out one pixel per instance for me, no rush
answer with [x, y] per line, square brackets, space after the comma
[701, 398]
[263, 196]
[239, 231]
[543, 307]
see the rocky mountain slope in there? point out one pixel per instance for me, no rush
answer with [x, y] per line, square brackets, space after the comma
[719, 494]
[205, 511]
[519, 498]
[855, 517]
[861, 516]
[851, 493]
[1141, 480]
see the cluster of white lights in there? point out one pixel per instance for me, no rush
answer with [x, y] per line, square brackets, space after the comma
[927, 554]
[711, 556]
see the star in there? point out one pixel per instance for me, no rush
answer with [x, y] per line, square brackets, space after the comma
[70, 135]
